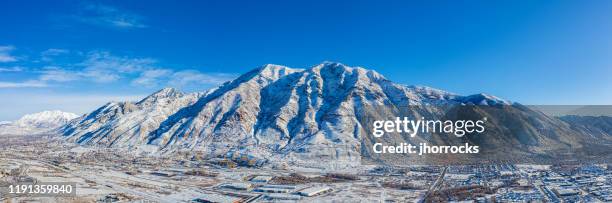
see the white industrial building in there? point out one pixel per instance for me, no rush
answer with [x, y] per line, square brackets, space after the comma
[283, 197]
[217, 198]
[238, 186]
[275, 189]
[313, 191]
[261, 179]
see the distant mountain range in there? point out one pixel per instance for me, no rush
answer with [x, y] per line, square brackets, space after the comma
[576, 110]
[306, 115]
[36, 123]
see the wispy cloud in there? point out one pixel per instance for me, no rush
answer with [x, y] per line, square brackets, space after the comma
[104, 15]
[102, 60]
[30, 83]
[11, 69]
[104, 67]
[151, 78]
[54, 73]
[48, 54]
[186, 77]
[5, 54]
[183, 78]
[100, 67]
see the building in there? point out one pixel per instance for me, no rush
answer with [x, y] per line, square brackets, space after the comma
[217, 198]
[289, 197]
[261, 179]
[275, 189]
[566, 192]
[162, 174]
[238, 186]
[313, 191]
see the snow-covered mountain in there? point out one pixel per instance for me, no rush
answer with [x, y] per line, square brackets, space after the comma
[287, 114]
[125, 124]
[37, 123]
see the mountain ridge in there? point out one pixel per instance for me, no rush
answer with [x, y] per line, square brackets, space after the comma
[289, 114]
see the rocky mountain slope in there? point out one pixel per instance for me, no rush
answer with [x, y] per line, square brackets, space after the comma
[598, 127]
[127, 124]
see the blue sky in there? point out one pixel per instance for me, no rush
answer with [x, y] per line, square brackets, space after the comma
[77, 55]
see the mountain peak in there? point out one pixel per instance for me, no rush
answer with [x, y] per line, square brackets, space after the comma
[332, 65]
[274, 71]
[485, 99]
[337, 67]
[36, 123]
[49, 114]
[167, 92]
[46, 119]
[428, 90]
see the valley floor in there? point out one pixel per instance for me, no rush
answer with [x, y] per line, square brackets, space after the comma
[105, 175]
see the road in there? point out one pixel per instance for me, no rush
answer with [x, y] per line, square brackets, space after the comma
[435, 186]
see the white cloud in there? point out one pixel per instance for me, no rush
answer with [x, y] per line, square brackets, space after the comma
[54, 73]
[183, 78]
[102, 60]
[5, 54]
[100, 67]
[11, 69]
[48, 54]
[186, 77]
[30, 83]
[104, 15]
[104, 67]
[150, 78]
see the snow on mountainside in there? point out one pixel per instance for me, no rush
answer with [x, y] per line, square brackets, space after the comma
[126, 123]
[273, 107]
[279, 113]
[280, 108]
[37, 122]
